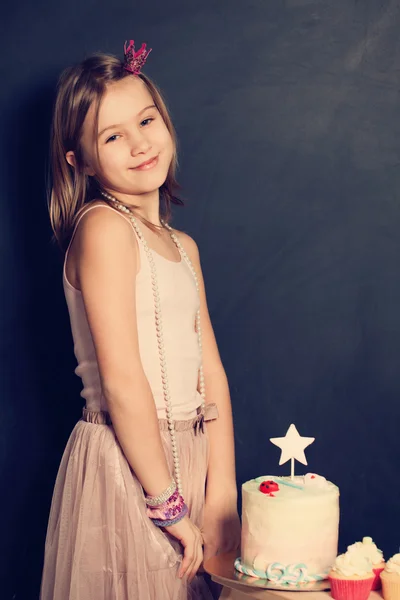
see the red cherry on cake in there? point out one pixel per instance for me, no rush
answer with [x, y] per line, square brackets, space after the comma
[268, 487]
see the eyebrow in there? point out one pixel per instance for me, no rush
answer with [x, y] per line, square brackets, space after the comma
[120, 124]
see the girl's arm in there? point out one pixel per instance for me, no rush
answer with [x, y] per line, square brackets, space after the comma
[107, 264]
[221, 523]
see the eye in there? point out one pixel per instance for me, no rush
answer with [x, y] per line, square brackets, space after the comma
[147, 121]
[112, 138]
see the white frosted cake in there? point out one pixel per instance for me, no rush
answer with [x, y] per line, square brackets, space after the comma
[289, 527]
[290, 535]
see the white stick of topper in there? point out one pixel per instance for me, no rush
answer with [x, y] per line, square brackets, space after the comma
[292, 446]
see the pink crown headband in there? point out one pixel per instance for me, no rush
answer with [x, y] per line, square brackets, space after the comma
[134, 61]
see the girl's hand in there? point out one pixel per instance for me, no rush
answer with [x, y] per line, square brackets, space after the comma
[190, 537]
[221, 526]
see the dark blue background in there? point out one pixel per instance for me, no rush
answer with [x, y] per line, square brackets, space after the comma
[288, 118]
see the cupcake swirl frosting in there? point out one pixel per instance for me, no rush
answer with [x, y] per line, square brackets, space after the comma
[353, 562]
[393, 564]
[368, 549]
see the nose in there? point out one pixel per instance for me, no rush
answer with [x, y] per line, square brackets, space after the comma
[139, 143]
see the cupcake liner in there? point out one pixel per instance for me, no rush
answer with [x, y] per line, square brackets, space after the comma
[351, 589]
[376, 584]
[390, 589]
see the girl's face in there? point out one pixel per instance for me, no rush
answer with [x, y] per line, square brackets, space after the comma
[135, 146]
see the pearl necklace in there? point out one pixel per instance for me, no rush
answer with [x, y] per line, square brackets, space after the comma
[159, 328]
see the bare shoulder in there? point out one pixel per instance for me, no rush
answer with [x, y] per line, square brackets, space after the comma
[103, 235]
[188, 244]
[102, 226]
[108, 214]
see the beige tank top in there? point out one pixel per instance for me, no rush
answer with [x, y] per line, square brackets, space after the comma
[179, 303]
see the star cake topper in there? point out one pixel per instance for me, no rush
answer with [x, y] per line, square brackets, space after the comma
[292, 446]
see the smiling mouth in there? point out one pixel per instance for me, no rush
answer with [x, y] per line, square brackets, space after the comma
[147, 165]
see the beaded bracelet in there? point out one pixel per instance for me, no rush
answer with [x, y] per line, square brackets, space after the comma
[163, 497]
[165, 505]
[167, 523]
[169, 510]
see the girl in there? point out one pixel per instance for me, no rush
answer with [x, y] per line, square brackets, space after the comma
[143, 483]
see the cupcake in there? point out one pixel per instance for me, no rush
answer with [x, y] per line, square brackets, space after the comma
[375, 555]
[390, 578]
[351, 576]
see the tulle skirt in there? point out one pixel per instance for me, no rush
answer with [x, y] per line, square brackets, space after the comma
[100, 545]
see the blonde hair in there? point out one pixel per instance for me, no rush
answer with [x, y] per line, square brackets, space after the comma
[69, 188]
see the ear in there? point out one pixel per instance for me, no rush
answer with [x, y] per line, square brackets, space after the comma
[70, 158]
